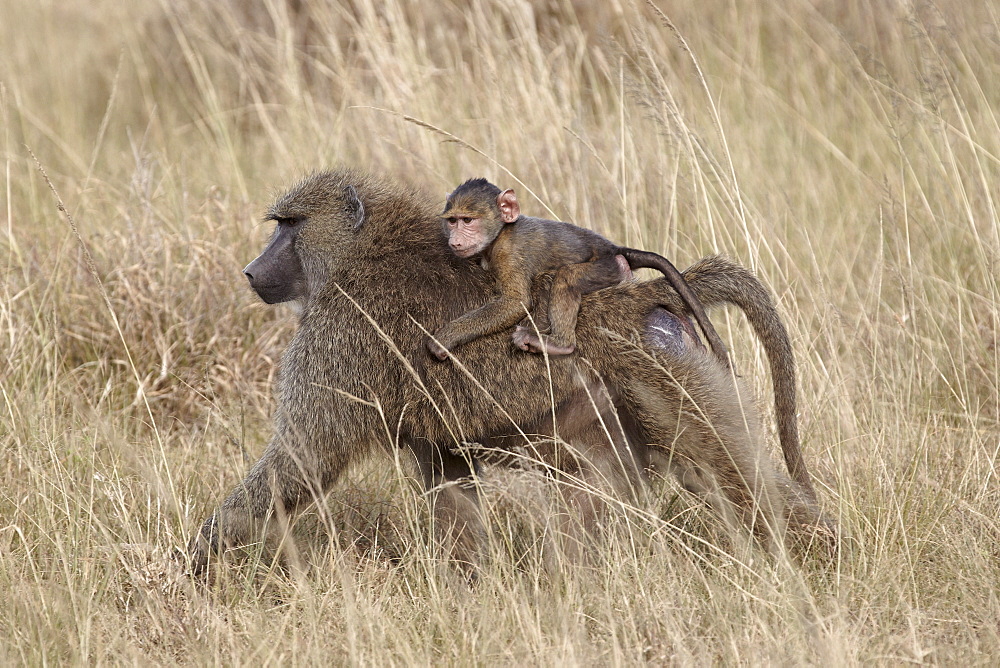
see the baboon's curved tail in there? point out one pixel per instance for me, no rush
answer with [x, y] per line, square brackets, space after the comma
[717, 280]
[639, 259]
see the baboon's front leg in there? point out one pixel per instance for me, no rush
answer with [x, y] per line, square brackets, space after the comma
[274, 489]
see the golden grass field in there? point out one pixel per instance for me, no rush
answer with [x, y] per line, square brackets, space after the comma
[848, 151]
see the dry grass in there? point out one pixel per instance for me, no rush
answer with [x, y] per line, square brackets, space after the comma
[847, 151]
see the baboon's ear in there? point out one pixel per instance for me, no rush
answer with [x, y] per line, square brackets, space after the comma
[355, 207]
[509, 208]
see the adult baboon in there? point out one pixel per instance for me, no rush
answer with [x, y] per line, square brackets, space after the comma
[368, 263]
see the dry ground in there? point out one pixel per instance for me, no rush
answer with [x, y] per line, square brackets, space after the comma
[848, 151]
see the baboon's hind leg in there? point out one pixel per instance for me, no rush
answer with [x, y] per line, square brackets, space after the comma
[701, 425]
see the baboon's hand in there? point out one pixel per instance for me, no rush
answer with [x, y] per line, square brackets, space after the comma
[202, 545]
[437, 349]
[197, 553]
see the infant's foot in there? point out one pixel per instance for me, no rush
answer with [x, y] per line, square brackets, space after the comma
[526, 339]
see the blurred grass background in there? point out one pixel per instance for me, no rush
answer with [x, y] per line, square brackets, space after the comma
[847, 151]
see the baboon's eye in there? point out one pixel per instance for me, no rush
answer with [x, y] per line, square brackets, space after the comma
[290, 221]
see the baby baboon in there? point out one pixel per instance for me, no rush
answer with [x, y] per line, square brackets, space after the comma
[356, 376]
[480, 219]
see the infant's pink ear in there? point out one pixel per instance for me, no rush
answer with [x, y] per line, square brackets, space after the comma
[509, 208]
